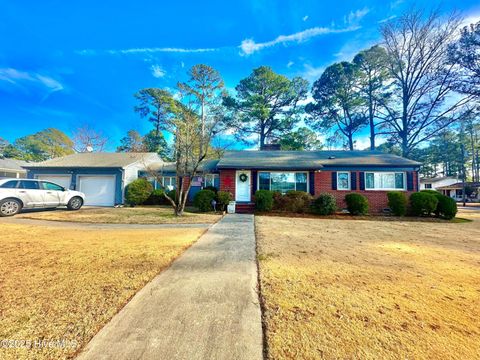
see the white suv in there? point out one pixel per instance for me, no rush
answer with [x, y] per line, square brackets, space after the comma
[18, 194]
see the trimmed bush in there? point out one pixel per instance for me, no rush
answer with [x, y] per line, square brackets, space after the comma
[325, 204]
[446, 207]
[203, 200]
[213, 188]
[138, 191]
[397, 202]
[423, 203]
[297, 201]
[156, 198]
[224, 197]
[278, 201]
[356, 204]
[263, 200]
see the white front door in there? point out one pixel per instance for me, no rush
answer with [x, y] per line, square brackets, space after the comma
[242, 185]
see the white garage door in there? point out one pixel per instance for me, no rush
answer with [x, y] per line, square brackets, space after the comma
[98, 190]
[62, 180]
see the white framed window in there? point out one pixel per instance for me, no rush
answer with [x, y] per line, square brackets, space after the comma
[283, 181]
[210, 180]
[385, 181]
[343, 180]
[169, 182]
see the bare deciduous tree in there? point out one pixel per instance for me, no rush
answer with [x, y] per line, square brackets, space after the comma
[87, 139]
[423, 100]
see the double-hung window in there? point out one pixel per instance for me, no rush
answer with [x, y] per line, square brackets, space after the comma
[385, 181]
[343, 180]
[210, 180]
[169, 182]
[283, 181]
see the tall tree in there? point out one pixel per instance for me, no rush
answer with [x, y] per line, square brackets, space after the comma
[132, 142]
[155, 105]
[156, 143]
[3, 144]
[43, 145]
[266, 104]
[301, 139]
[465, 54]
[422, 101]
[337, 102]
[205, 85]
[87, 139]
[372, 77]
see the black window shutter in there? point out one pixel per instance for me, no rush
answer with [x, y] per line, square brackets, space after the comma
[361, 174]
[410, 181]
[254, 181]
[353, 180]
[334, 180]
[311, 182]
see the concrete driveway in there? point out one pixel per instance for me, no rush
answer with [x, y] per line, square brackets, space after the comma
[205, 306]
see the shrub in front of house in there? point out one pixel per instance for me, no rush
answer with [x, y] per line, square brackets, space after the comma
[296, 201]
[446, 207]
[213, 188]
[423, 203]
[223, 198]
[157, 197]
[397, 202]
[278, 201]
[203, 200]
[138, 192]
[356, 204]
[325, 204]
[263, 200]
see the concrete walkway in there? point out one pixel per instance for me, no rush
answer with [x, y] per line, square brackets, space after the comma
[205, 306]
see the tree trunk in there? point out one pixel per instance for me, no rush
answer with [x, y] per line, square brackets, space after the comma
[350, 142]
[371, 119]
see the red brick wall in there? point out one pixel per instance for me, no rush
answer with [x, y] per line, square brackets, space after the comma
[377, 199]
[227, 181]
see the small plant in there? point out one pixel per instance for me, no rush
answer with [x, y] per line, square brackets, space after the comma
[297, 201]
[203, 200]
[423, 203]
[356, 204]
[397, 202]
[138, 191]
[157, 197]
[224, 197]
[263, 200]
[325, 204]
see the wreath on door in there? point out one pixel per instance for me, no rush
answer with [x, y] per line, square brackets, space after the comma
[243, 177]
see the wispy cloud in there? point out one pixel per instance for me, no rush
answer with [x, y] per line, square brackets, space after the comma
[249, 46]
[157, 71]
[289, 64]
[18, 77]
[354, 17]
[387, 19]
[312, 73]
[146, 50]
[305, 18]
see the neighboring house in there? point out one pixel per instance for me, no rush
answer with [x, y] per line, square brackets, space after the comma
[456, 190]
[435, 183]
[101, 176]
[11, 168]
[370, 173]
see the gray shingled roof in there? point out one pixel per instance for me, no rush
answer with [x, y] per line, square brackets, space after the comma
[309, 159]
[205, 166]
[13, 164]
[95, 160]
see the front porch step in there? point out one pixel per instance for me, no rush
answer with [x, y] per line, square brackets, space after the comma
[245, 208]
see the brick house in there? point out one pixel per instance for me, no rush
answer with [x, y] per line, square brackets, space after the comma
[370, 173]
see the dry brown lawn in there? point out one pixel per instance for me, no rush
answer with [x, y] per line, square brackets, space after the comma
[125, 215]
[64, 283]
[357, 289]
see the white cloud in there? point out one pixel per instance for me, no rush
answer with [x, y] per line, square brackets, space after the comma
[147, 50]
[18, 77]
[182, 64]
[249, 46]
[387, 19]
[355, 16]
[470, 19]
[312, 73]
[157, 71]
[305, 18]
[289, 64]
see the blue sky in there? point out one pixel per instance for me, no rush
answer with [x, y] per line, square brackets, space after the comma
[64, 64]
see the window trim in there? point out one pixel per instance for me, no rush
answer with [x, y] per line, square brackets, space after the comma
[386, 172]
[283, 172]
[212, 176]
[349, 180]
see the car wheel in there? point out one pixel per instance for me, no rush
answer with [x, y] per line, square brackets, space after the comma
[10, 207]
[75, 203]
